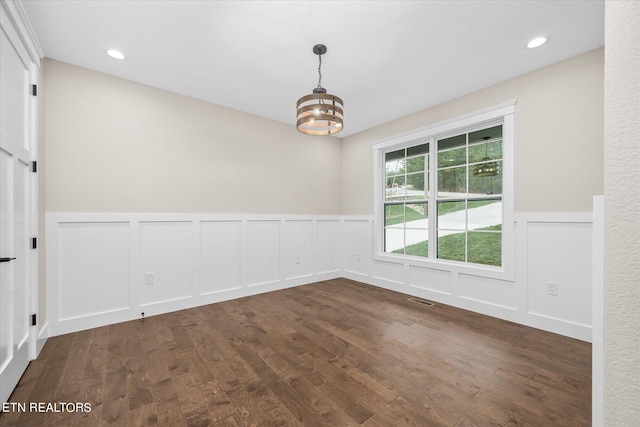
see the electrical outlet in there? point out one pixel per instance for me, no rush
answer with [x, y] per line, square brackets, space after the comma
[358, 256]
[149, 278]
[552, 288]
[297, 259]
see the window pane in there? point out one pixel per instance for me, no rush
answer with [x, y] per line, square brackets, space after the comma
[416, 164]
[395, 163]
[454, 141]
[394, 155]
[452, 215]
[418, 149]
[487, 151]
[485, 134]
[454, 157]
[416, 215]
[417, 242]
[393, 215]
[452, 182]
[394, 240]
[451, 246]
[416, 186]
[485, 248]
[395, 188]
[486, 178]
[483, 214]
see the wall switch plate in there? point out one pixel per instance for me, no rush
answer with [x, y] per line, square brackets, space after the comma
[149, 278]
[552, 288]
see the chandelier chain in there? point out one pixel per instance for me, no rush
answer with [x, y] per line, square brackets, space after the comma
[319, 71]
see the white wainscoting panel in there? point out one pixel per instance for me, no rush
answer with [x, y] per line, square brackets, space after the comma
[220, 256]
[560, 253]
[166, 252]
[328, 255]
[96, 266]
[299, 255]
[389, 271]
[493, 292]
[548, 247]
[99, 265]
[94, 269]
[263, 252]
[430, 279]
[357, 241]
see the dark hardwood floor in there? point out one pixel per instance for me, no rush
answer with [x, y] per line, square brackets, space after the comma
[335, 353]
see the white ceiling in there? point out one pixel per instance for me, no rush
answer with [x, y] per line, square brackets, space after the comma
[385, 59]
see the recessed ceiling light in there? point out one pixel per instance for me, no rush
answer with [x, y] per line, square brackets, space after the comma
[116, 54]
[537, 42]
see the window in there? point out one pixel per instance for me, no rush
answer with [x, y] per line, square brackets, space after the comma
[446, 195]
[406, 219]
[469, 198]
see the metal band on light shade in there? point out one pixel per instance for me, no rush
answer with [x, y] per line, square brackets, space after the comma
[319, 114]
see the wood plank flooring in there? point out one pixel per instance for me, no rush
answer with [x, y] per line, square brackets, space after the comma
[334, 353]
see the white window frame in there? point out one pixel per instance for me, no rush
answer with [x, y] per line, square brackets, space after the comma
[503, 114]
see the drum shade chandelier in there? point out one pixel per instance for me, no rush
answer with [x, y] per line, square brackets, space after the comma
[319, 113]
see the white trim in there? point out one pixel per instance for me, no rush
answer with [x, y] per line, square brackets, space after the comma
[127, 303]
[558, 326]
[470, 119]
[34, 215]
[597, 349]
[522, 301]
[566, 217]
[505, 299]
[43, 334]
[20, 21]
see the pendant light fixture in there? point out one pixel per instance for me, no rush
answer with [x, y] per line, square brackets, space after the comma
[319, 113]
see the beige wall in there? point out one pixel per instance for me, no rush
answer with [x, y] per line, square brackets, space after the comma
[622, 210]
[118, 146]
[559, 133]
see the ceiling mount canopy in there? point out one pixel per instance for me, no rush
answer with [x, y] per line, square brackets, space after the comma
[319, 113]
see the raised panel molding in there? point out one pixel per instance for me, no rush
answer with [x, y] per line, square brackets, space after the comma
[560, 254]
[202, 259]
[166, 261]
[298, 257]
[262, 264]
[220, 256]
[357, 241]
[108, 268]
[94, 268]
[328, 253]
[548, 247]
[389, 271]
[429, 279]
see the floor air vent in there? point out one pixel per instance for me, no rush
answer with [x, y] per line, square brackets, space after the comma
[421, 301]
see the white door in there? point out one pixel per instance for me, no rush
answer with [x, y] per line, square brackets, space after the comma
[16, 155]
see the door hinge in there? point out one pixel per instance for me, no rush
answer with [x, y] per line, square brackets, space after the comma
[34, 90]
[34, 166]
[34, 243]
[34, 320]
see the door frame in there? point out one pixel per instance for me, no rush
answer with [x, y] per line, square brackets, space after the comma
[16, 25]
